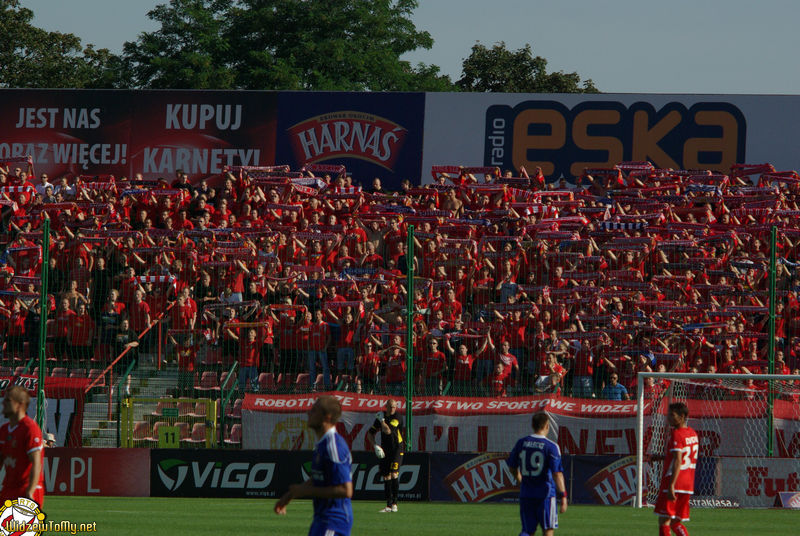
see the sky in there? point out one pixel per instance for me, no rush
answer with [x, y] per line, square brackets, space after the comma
[624, 46]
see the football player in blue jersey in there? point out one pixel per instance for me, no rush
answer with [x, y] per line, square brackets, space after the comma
[330, 484]
[537, 464]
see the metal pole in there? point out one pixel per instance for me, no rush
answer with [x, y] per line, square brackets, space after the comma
[409, 338]
[44, 304]
[773, 253]
[637, 503]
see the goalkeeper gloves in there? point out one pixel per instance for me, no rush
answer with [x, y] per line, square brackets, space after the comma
[379, 452]
[380, 416]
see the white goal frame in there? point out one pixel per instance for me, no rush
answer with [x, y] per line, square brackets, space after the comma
[679, 376]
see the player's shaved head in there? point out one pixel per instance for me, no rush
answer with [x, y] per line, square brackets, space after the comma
[539, 421]
[330, 406]
[19, 394]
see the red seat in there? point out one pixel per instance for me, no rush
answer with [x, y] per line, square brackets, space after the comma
[301, 383]
[185, 432]
[59, 372]
[198, 434]
[319, 383]
[199, 410]
[95, 373]
[185, 408]
[235, 437]
[153, 439]
[141, 430]
[78, 373]
[235, 411]
[19, 370]
[6, 371]
[208, 383]
[266, 381]
[159, 411]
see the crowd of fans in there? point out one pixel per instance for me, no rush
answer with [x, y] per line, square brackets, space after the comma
[520, 286]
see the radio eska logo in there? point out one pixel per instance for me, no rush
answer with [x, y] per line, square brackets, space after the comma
[597, 134]
[348, 134]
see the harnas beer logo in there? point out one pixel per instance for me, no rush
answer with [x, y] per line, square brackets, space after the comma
[616, 483]
[235, 475]
[709, 135]
[348, 134]
[481, 478]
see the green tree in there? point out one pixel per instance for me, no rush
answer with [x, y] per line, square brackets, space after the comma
[33, 57]
[498, 69]
[350, 45]
[189, 51]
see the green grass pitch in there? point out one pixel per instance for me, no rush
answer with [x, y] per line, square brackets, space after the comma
[199, 517]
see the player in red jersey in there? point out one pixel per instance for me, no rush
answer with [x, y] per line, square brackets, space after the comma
[677, 479]
[21, 449]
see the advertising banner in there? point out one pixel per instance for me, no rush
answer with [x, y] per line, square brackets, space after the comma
[371, 134]
[89, 132]
[563, 134]
[586, 427]
[269, 473]
[759, 482]
[201, 132]
[101, 472]
[487, 478]
[63, 404]
[68, 131]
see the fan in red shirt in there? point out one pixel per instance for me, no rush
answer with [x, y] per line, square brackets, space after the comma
[497, 382]
[434, 365]
[81, 336]
[187, 348]
[367, 369]
[249, 353]
[21, 449]
[677, 479]
[462, 369]
[395, 369]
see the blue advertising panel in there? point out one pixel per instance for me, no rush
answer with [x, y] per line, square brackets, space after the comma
[371, 134]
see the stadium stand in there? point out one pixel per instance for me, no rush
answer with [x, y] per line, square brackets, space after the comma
[521, 286]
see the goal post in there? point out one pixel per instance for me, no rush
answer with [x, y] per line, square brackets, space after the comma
[738, 417]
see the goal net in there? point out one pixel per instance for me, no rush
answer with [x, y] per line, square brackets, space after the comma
[748, 428]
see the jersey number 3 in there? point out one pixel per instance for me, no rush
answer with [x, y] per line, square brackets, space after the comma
[689, 457]
[531, 465]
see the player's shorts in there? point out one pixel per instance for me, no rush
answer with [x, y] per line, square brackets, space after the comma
[392, 462]
[677, 509]
[318, 529]
[535, 512]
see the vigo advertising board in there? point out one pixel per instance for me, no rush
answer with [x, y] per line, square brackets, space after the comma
[269, 473]
[563, 134]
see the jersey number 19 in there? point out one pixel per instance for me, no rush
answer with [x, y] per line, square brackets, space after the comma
[531, 465]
